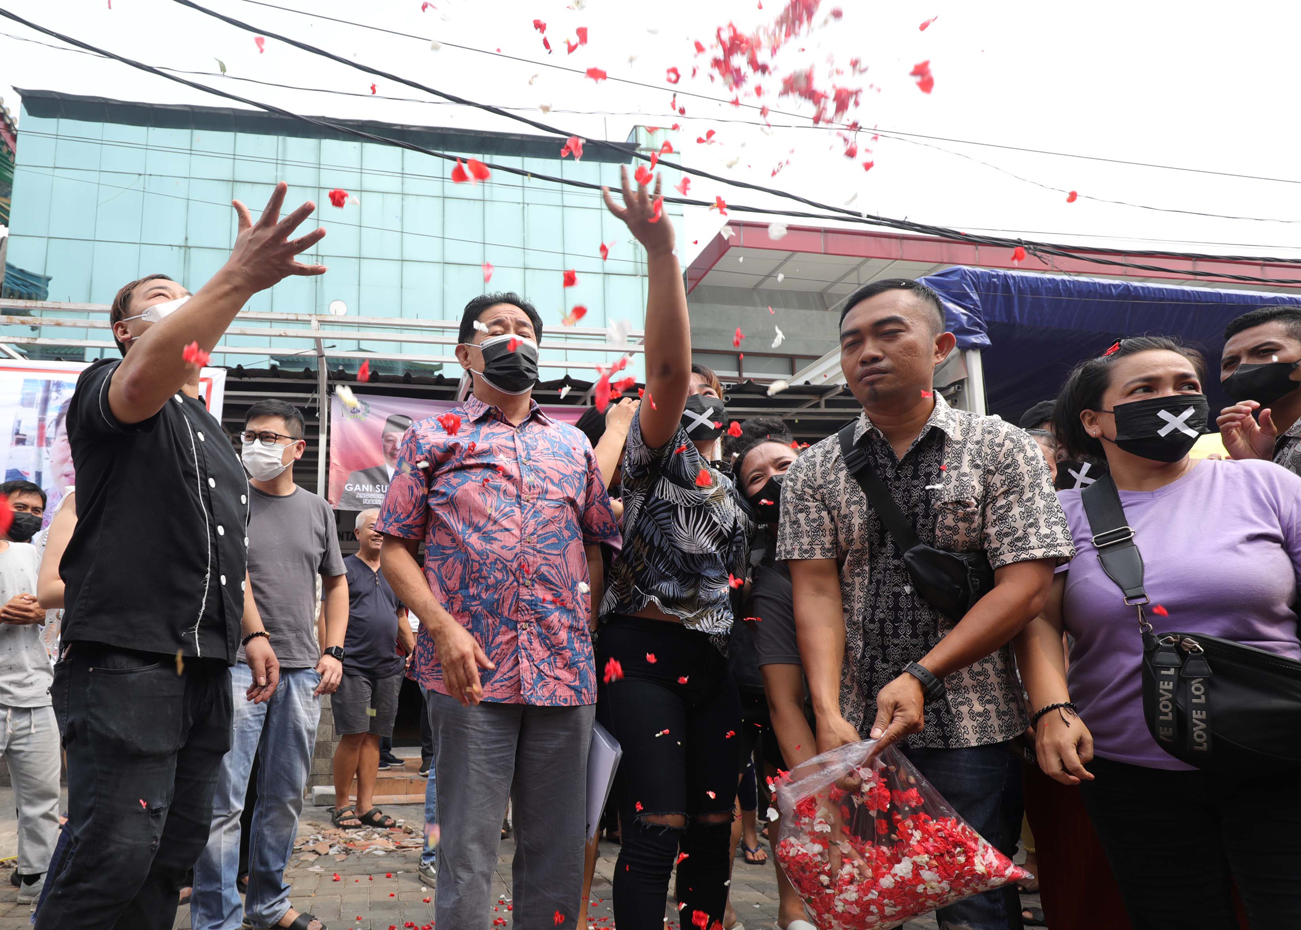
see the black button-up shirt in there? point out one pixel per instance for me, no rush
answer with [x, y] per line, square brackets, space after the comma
[157, 560]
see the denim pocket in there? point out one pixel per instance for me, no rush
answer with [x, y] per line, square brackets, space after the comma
[135, 710]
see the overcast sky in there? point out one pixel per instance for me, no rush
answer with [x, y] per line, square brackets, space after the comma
[1211, 86]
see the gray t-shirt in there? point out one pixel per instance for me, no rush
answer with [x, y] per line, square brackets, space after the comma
[25, 673]
[291, 540]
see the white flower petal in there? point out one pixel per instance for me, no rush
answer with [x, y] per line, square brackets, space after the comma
[777, 231]
[777, 387]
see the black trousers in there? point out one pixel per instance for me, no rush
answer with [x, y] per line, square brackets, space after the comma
[1178, 841]
[144, 748]
[678, 720]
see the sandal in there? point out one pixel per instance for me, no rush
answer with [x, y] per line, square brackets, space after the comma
[301, 922]
[341, 814]
[1033, 917]
[752, 854]
[377, 818]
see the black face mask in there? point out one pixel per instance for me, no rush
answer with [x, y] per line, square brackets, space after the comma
[1077, 473]
[704, 417]
[24, 527]
[1162, 429]
[509, 372]
[1262, 383]
[766, 502]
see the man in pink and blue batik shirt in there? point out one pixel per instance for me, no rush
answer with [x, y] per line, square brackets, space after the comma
[512, 510]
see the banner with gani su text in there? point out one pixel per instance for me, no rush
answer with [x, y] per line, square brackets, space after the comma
[364, 443]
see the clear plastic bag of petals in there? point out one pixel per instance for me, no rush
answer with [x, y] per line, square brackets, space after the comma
[872, 845]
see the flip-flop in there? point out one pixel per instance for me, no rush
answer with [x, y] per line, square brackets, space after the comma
[1033, 917]
[340, 814]
[751, 851]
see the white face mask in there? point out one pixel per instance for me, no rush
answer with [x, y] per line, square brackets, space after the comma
[156, 313]
[263, 462]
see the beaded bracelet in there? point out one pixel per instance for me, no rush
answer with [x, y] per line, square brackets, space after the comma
[1062, 705]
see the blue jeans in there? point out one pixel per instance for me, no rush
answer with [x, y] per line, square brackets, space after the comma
[282, 733]
[430, 854]
[983, 784]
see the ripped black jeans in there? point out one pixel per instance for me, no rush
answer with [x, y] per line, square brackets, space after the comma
[677, 715]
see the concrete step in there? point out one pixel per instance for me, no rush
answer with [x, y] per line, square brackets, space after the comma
[397, 785]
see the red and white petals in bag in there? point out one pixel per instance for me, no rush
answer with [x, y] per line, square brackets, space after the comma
[872, 846]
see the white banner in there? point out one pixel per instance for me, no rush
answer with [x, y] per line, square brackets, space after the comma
[34, 399]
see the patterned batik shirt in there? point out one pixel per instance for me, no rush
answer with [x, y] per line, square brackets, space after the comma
[1287, 449]
[505, 512]
[683, 541]
[966, 483]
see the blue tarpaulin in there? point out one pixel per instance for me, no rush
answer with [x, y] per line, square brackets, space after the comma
[1032, 328]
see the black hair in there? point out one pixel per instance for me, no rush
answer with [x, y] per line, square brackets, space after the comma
[924, 292]
[10, 488]
[1290, 317]
[293, 418]
[1041, 412]
[474, 309]
[592, 423]
[397, 423]
[755, 432]
[1089, 380]
[708, 374]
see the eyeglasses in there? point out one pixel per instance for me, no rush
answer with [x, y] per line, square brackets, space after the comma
[266, 437]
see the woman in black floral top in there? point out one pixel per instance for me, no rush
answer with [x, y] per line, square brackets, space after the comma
[668, 697]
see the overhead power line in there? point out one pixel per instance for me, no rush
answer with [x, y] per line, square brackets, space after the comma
[1040, 248]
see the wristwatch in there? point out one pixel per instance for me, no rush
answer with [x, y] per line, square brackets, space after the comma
[932, 687]
[335, 652]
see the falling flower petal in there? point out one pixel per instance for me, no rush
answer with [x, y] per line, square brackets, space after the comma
[260, 42]
[220, 64]
[539, 25]
[572, 47]
[613, 671]
[605, 251]
[734, 430]
[777, 387]
[1071, 197]
[704, 479]
[699, 47]
[363, 373]
[683, 679]
[727, 232]
[558, 919]
[581, 32]
[574, 315]
[346, 397]
[658, 210]
[928, 394]
[729, 734]
[777, 231]
[923, 26]
[673, 76]
[458, 173]
[683, 186]
[573, 146]
[596, 74]
[512, 343]
[869, 165]
[618, 333]
[193, 355]
[737, 337]
[478, 170]
[450, 422]
[643, 176]
[650, 657]
[564, 391]
[480, 326]
[487, 276]
[734, 582]
[780, 338]
[570, 278]
[922, 72]
[1160, 611]
[338, 197]
[372, 89]
[584, 588]
[1018, 255]
[601, 395]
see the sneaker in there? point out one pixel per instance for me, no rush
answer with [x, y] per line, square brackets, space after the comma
[385, 764]
[428, 873]
[424, 771]
[30, 894]
[389, 761]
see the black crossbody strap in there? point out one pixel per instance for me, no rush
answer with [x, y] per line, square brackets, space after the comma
[878, 495]
[1114, 539]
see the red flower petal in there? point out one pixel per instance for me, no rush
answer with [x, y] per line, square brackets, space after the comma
[638, 807]
[596, 74]
[683, 186]
[487, 272]
[643, 176]
[260, 43]
[573, 146]
[734, 582]
[193, 355]
[613, 671]
[581, 32]
[699, 47]
[682, 679]
[605, 251]
[720, 205]
[571, 278]
[512, 343]
[450, 422]
[539, 25]
[1071, 197]
[922, 27]
[558, 919]
[658, 207]
[601, 397]
[868, 165]
[572, 46]
[458, 173]
[736, 339]
[363, 373]
[1018, 254]
[734, 430]
[704, 479]
[623, 384]
[922, 72]
[479, 170]
[574, 315]
[673, 76]
[928, 393]
[372, 88]
[1160, 611]
[730, 734]
[338, 197]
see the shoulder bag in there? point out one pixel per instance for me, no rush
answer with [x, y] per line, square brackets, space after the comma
[1210, 702]
[951, 582]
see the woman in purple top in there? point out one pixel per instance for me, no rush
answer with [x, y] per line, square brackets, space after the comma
[1221, 548]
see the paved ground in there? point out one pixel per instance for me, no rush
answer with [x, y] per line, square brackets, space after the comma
[365, 898]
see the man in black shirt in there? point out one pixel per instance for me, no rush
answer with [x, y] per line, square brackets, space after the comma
[157, 593]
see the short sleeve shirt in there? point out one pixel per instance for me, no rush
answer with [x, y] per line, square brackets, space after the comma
[1287, 449]
[157, 560]
[505, 512]
[968, 483]
[683, 538]
[292, 541]
[370, 646]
